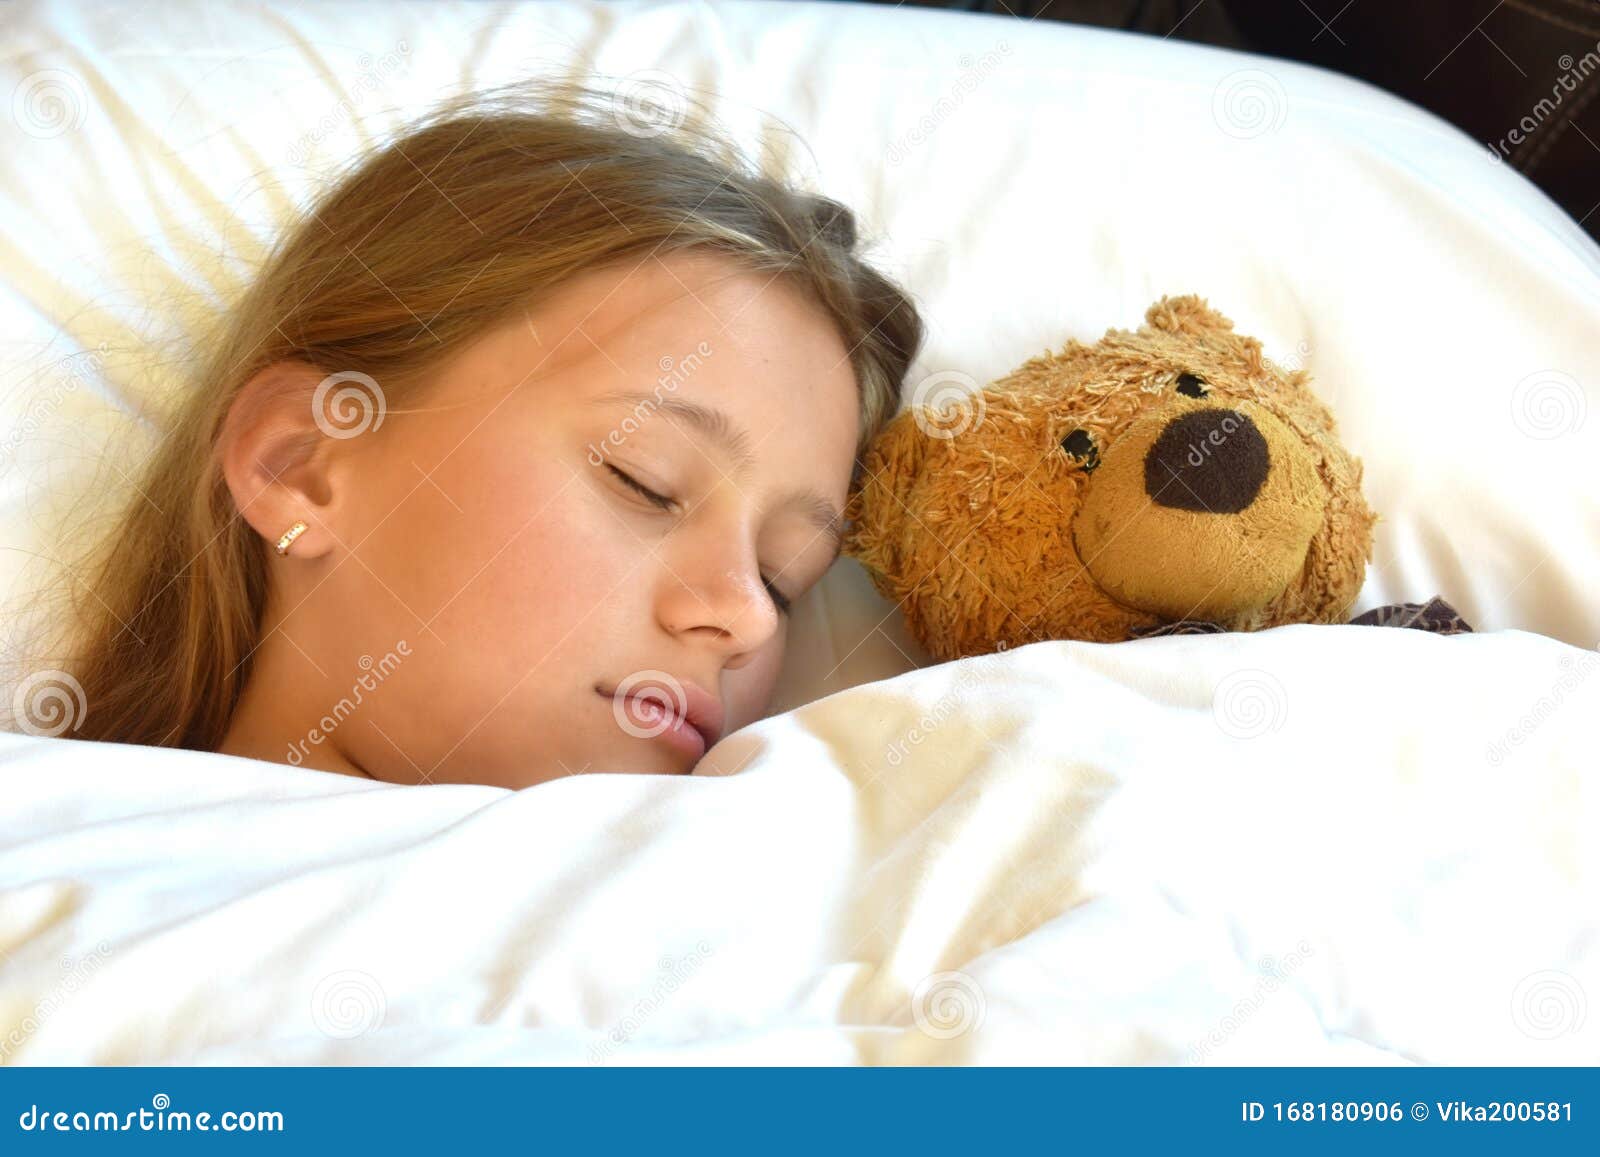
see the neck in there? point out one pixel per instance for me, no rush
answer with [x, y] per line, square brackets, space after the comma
[279, 714]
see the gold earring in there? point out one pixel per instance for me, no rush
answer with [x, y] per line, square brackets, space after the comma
[290, 535]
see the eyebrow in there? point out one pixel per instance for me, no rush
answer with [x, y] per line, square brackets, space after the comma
[718, 429]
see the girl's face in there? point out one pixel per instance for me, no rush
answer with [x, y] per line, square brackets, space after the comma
[571, 554]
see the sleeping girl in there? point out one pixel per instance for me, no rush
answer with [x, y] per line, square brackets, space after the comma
[509, 464]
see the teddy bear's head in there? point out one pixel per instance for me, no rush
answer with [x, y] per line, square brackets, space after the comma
[1162, 474]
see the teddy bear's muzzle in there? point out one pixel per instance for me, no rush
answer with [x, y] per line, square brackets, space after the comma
[1202, 513]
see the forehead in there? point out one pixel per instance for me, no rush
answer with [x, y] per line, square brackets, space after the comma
[704, 328]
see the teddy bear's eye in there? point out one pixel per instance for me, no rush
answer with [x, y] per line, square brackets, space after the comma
[1191, 386]
[1081, 446]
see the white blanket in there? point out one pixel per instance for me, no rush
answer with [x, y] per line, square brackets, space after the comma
[1312, 845]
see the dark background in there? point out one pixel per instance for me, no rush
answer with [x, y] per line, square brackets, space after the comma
[1483, 64]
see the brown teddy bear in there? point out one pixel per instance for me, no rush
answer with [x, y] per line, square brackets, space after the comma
[1163, 476]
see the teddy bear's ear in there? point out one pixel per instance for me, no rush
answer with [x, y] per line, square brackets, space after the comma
[1185, 315]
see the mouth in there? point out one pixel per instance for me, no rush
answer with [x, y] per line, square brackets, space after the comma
[678, 713]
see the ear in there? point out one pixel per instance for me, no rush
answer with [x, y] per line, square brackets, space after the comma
[1187, 314]
[282, 455]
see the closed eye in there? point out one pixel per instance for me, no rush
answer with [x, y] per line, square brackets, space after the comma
[780, 600]
[642, 490]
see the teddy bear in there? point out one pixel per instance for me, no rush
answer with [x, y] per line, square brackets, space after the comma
[1166, 476]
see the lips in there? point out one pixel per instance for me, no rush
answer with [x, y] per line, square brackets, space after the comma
[703, 712]
[680, 712]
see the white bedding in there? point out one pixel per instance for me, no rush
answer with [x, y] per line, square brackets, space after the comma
[1319, 845]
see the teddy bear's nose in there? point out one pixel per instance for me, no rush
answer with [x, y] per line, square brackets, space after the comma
[1207, 460]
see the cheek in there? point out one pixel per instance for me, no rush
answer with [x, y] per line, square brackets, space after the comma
[519, 571]
[552, 569]
[747, 690]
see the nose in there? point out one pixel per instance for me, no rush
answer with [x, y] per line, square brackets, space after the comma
[719, 601]
[1207, 460]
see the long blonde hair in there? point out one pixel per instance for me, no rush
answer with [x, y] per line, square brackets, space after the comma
[422, 246]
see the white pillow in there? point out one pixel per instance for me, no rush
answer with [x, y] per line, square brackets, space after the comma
[1030, 182]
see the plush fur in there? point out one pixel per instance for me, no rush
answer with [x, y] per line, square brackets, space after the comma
[1166, 473]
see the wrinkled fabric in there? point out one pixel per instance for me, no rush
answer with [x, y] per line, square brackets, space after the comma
[1308, 845]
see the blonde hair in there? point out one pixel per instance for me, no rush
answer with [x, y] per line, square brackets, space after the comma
[422, 246]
